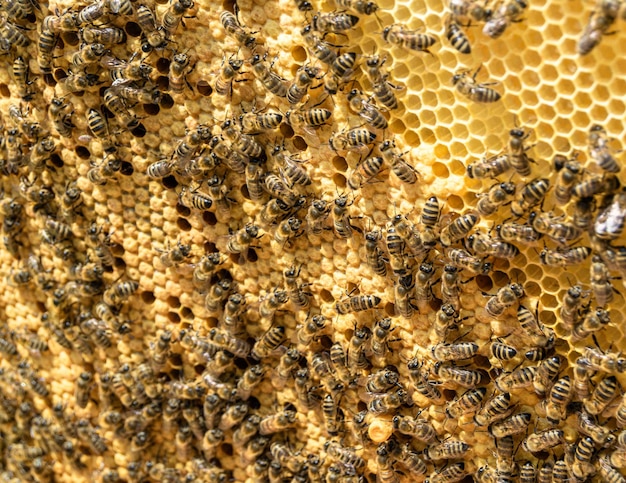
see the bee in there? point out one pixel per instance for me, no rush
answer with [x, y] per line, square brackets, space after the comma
[494, 409]
[122, 72]
[532, 194]
[307, 119]
[83, 388]
[344, 455]
[272, 302]
[304, 392]
[288, 229]
[518, 379]
[254, 123]
[591, 322]
[250, 378]
[173, 16]
[237, 31]
[334, 22]
[450, 473]
[217, 295]
[564, 257]
[468, 403]
[100, 174]
[604, 361]
[381, 381]
[569, 171]
[270, 80]
[366, 111]
[338, 359]
[609, 223]
[586, 424]
[484, 245]
[21, 75]
[273, 211]
[581, 380]
[468, 86]
[353, 138]
[608, 472]
[105, 35]
[593, 185]
[211, 441]
[357, 303]
[268, 342]
[241, 240]
[297, 295]
[176, 255]
[543, 440]
[233, 310]
[600, 151]
[546, 373]
[13, 34]
[117, 106]
[88, 54]
[286, 365]
[458, 375]
[160, 169]
[356, 349]
[458, 229]
[498, 194]
[599, 22]
[179, 69]
[397, 34]
[456, 36]
[46, 43]
[373, 254]
[620, 414]
[155, 36]
[226, 76]
[311, 329]
[316, 216]
[504, 298]
[277, 422]
[462, 259]
[61, 117]
[195, 199]
[446, 320]
[91, 13]
[365, 171]
[332, 414]
[546, 223]
[233, 415]
[603, 394]
[381, 87]
[384, 461]
[317, 47]
[117, 293]
[489, 168]
[380, 335]
[507, 13]
[277, 188]
[149, 95]
[453, 352]
[511, 425]
[399, 166]
[449, 449]
[402, 296]
[300, 86]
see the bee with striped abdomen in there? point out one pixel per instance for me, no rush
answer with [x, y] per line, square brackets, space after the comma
[456, 36]
[508, 12]
[467, 86]
[410, 39]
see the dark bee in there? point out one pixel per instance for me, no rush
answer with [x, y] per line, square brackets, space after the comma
[547, 371]
[333, 22]
[569, 171]
[268, 343]
[155, 36]
[489, 168]
[456, 36]
[381, 87]
[357, 303]
[366, 111]
[61, 114]
[410, 39]
[299, 87]
[242, 239]
[179, 69]
[507, 13]
[317, 47]
[21, 75]
[498, 194]
[226, 76]
[466, 404]
[354, 138]
[400, 167]
[565, 256]
[532, 194]
[593, 185]
[173, 16]
[468, 86]
[277, 422]
[458, 229]
[105, 35]
[237, 31]
[504, 298]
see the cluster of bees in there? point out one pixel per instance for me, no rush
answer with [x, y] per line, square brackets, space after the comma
[227, 396]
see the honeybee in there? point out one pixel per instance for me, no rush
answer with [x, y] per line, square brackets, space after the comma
[317, 47]
[450, 290]
[373, 254]
[357, 303]
[531, 195]
[381, 87]
[365, 171]
[117, 106]
[494, 409]
[268, 342]
[543, 440]
[599, 22]
[384, 460]
[241, 240]
[603, 361]
[40, 153]
[226, 76]
[366, 111]
[489, 168]
[458, 229]
[446, 319]
[333, 22]
[609, 223]
[547, 371]
[311, 329]
[341, 219]
[353, 138]
[160, 169]
[461, 376]
[399, 166]
[88, 54]
[270, 80]
[593, 185]
[307, 119]
[402, 296]
[277, 422]
[507, 13]
[553, 227]
[173, 16]
[300, 86]
[83, 388]
[539, 335]
[117, 293]
[453, 352]
[257, 122]
[105, 35]
[13, 33]
[564, 256]
[103, 172]
[569, 310]
[179, 69]
[237, 31]
[569, 171]
[155, 37]
[484, 245]
[332, 414]
[456, 36]
[449, 449]
[462, 259]
[467, 85]
[410, 39]
[468, 403]
[61, 117]
[250, 378]
[587, 425]
[297, 295]
[518, 379]
[450, 473]
[343, 454]
[498, 194]
[512, 425]
[600, 151]
[380, 335]
[341, 68]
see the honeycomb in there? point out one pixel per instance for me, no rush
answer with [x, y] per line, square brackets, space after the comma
[124, 355]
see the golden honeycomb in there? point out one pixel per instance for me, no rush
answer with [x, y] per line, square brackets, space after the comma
[65, 320]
